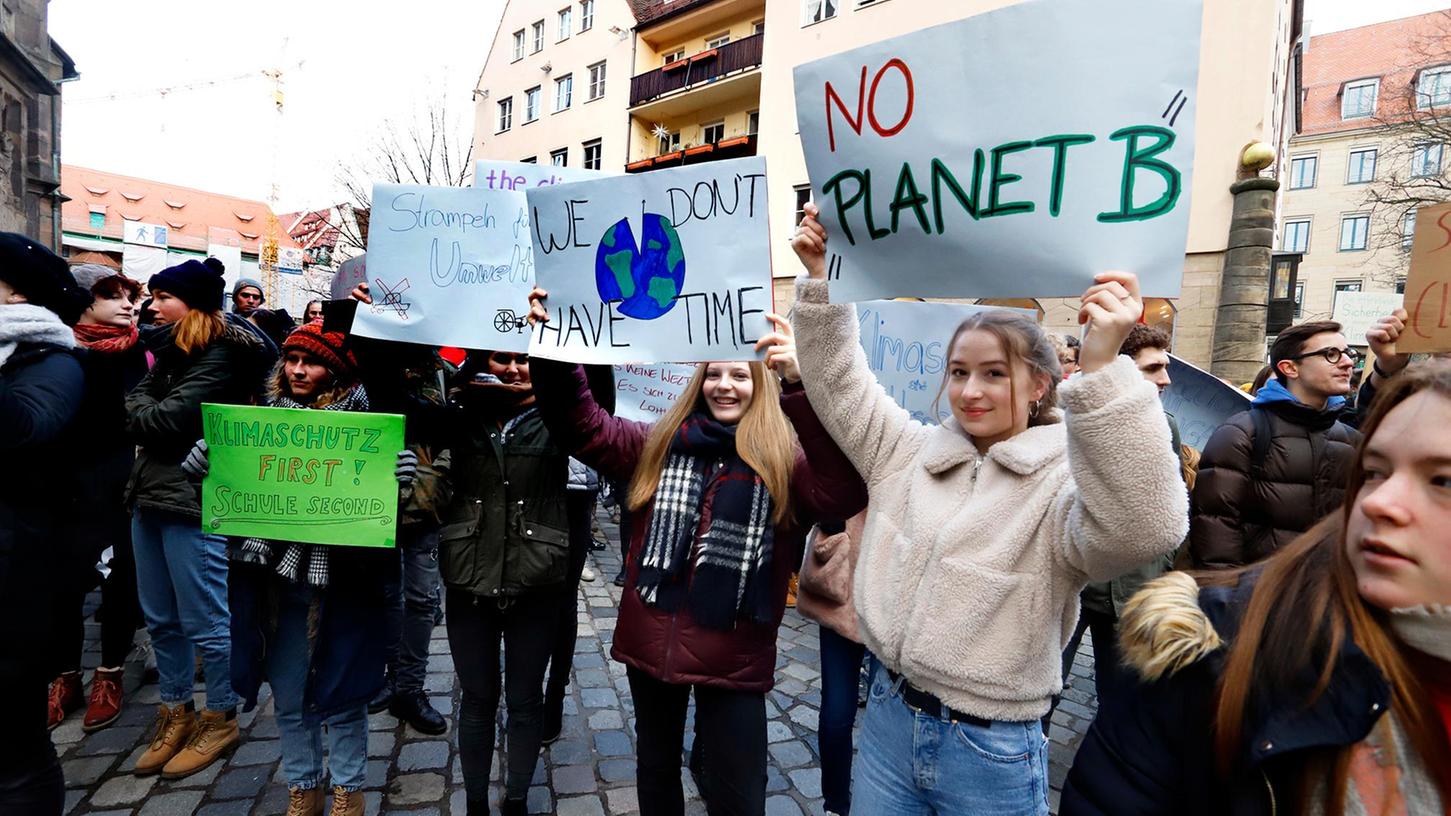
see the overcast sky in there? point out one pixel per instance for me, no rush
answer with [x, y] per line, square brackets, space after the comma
[347, 68]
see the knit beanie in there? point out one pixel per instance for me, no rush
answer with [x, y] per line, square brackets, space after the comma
[88, 275]
[42, 277]
[198, 286]
[243, 283]
[329, 347]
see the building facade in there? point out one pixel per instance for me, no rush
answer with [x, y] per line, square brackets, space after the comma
[32, 70]
[1375, 103]
[712, 79]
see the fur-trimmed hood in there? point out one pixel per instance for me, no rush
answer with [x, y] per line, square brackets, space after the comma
[1163, 629]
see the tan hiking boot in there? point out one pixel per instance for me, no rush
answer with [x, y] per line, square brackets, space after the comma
[174, 727]
[215, 735]
[304, 802]
[346, 802]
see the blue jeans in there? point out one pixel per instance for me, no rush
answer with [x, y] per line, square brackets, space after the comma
[841, 668]
[181, 581]
[916, 764]
[288, 664]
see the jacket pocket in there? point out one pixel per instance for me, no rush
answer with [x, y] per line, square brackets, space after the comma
[542, 557]
[456, 545]
[974, 627]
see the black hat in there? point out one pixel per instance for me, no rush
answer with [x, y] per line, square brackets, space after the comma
[41, 276]
[197, 284]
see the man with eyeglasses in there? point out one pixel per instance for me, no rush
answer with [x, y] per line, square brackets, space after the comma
[1269, 473]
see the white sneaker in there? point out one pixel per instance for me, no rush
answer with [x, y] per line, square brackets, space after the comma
[588, 575]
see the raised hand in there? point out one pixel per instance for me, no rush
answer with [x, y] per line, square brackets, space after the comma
[810, 243]
[780, 347]
[361, 294]
[537, 312]
[1111, 307]
[1382, 338]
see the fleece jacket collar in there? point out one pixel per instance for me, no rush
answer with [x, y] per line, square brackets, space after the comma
[1022, 454]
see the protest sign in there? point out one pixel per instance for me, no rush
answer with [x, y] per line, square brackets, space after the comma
[1428, 287]
[288, 474]
[646, 392]
[672, 265]
[350, 273]
[959, 161]
[906, 344]
[1356, 312]
[453, 266]
[1199, 401]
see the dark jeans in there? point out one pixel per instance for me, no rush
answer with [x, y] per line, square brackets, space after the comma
[30, 777]
[120, 612]
[841, 668]
[579, 508]
[411, 606]
[730, 726]
[525, 627]
[1108, 674]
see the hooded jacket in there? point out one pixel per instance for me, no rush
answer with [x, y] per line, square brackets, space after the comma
[1242, 512]
[164, 417]
[1151, 751]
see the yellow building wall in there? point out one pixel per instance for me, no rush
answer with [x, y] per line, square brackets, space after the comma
[650, 56]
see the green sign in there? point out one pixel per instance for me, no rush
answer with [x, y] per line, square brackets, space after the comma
[287, 474]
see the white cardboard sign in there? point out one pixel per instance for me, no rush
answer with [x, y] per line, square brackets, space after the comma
[672, 265]
[1015, 153]
[646, 392]
[1356, 312]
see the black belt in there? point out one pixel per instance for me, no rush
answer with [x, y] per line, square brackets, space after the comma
[919, 700]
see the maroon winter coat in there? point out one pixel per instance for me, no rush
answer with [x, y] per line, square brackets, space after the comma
[671, 646]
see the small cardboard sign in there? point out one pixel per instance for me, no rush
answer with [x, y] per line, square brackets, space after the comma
[1428, 287]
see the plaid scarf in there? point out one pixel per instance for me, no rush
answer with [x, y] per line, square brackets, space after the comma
[295, 561]
[729, 576]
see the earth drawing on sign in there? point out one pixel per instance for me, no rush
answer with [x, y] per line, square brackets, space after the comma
[646, 276]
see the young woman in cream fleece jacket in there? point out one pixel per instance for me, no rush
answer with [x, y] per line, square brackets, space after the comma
[980, 533]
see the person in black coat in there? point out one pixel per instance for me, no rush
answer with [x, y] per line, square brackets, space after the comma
[41, 385]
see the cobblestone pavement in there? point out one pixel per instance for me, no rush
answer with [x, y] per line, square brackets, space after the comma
[590, 771]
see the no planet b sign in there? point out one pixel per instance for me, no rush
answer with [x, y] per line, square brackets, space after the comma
[1015, 153]
[668, 266]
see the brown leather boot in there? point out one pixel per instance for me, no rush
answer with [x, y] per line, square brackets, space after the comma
[304, 802]
[346, 802]
[174, 727]
[216, 733]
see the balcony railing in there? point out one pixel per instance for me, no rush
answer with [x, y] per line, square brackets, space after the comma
[733, 148]
[707, 66]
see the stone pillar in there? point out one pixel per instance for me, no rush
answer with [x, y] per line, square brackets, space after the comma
[1244, 288]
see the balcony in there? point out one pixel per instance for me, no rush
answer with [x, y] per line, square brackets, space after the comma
[735, 147]
[698, 69]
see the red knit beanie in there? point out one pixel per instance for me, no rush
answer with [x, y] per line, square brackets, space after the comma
[329, 347]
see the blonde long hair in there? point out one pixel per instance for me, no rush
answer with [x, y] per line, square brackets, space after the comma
[198, 329]
[765, 440]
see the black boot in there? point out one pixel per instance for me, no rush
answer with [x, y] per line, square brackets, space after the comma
[514, 807]
[384, 697]
[553, 716]
[478, 807]
[412, 707]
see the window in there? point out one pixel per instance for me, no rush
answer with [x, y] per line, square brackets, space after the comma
[670, 142]
[712, 133]
[566, 22]
[803, 195]
[1297, 236]
[593, 154]
[1433, 87]
[1302, 172]
[506, 114]
[560, 157]
[596, 81]
[563, 92]
[586, 15]
[718, 40]
[519, 44]
[538, 37]
[1299, 300]
[1343, 286]
[529, 160]
[758, 27]
[1358, 99]
[1400, 286]
[98, 219]
[1361, 167]
[531, 104]
[818, 10]
[753, 123]
[1426, 160]
[1408, 229]
[1354, 232]
[675, 56]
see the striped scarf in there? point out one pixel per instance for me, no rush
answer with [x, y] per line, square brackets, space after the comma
[724, 571]
[295, 561]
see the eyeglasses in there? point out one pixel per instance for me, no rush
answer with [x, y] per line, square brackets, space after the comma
[1332, 355]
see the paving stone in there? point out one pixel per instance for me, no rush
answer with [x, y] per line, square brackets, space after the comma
[791, 754]
[592, 678]
[381, 743]
[122, 790]
[416, 789]
[84, 772]
[599, 698]
[417, 756]
[113, 740]
[777, 731]
[605, 719]
[617, 770]
[807, 781]
[377, 775]
[571, 779]
[613, 743]
[775, 780]
[540, 800]
[579, 806]
[569, 752]
[274, 799]
[623, 800]
[256, 752]
[804, 716]
[458, 803]
[241, 783]
[200, 779]
[782, 806]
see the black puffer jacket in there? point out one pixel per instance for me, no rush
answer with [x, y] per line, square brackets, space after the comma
[164, 416]
[1241, 513]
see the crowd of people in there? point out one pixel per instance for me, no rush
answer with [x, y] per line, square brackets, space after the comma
[1270, 617]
